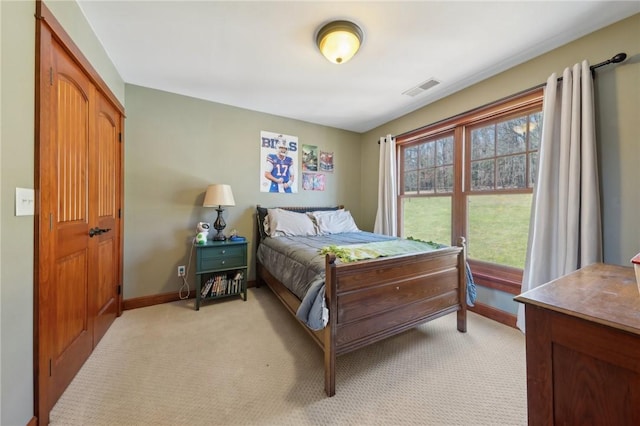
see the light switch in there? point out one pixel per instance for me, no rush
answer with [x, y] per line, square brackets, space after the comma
[25, 202]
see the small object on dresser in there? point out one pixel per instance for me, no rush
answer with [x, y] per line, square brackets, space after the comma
[201, 238]
[202, 230]
[636, 267]
[203, 227]
[237, 238]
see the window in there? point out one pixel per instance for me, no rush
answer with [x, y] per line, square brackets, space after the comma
[502, 156]
[473, 176]
[428, 170]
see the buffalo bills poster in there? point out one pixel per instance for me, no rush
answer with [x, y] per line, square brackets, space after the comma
[279, 156]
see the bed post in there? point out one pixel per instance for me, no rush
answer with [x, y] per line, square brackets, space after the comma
[258, 239]
[462, 274]
[330, 330]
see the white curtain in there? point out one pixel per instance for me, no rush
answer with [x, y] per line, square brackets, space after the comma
[565, 227]
[386, 217]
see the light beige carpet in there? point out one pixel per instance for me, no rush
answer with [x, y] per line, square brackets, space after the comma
[250, 363]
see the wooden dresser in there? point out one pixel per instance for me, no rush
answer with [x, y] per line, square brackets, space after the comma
[583, 348]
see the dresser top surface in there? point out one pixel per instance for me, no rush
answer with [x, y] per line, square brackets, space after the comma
[605, 294]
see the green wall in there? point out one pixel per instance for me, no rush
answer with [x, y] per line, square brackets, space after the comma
[16, 244]
[617, 97]
[175, 146]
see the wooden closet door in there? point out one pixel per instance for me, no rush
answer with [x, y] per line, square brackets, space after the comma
[78, 157]
[79, 255]
[66, 314]
[104, 172]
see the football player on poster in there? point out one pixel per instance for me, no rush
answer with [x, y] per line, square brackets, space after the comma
[279, 168]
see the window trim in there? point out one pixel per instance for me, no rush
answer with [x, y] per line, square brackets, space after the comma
[504, 278]
[499, 277]
[485, 112]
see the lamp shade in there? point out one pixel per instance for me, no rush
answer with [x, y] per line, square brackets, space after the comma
[218, 194]
[339, 41]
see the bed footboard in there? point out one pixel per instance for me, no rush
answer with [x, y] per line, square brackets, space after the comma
[371, 300]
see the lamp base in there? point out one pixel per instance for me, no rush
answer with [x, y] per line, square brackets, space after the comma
[219, 225]
[219, 237]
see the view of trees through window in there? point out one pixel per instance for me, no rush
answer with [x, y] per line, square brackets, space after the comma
[495, 169]
[503, 157]
[429, 167]
[504, 154]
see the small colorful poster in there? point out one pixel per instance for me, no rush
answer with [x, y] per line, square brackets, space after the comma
[309, 158]
[313, 181]
[326, 161]
[279, 156]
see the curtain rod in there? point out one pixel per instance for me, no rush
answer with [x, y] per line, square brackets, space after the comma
[620, 57]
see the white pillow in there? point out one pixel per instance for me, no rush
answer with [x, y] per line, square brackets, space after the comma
[315, 213]
[288, 223]
[337, 222]
[314, 216]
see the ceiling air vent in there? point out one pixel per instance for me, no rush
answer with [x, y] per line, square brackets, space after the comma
[414, 91]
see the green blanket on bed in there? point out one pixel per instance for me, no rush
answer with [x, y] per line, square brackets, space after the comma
[353, 252]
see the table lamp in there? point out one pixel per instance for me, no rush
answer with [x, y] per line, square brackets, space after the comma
[219, 195]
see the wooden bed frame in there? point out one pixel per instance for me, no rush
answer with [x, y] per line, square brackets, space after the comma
[371, 300]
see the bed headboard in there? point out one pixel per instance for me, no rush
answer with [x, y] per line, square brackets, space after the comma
[261, 213]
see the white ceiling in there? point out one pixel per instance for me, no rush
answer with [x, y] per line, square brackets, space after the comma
[262, 55]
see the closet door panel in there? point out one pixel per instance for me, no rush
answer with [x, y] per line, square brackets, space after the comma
[106, 176]
[68, 317]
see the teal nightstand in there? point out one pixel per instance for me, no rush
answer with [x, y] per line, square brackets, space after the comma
[221, 270]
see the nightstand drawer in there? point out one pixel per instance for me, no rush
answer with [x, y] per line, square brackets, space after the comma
[225, 262]
[222, 257]
[224, 251]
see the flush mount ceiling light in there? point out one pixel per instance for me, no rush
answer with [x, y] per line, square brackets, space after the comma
[339, 40]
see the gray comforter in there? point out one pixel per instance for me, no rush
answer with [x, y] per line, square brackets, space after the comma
[297, 263]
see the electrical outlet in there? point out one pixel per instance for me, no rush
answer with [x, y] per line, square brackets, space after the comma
[181, 271]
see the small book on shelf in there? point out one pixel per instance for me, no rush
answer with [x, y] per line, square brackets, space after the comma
[207, 287]
[216, 286]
